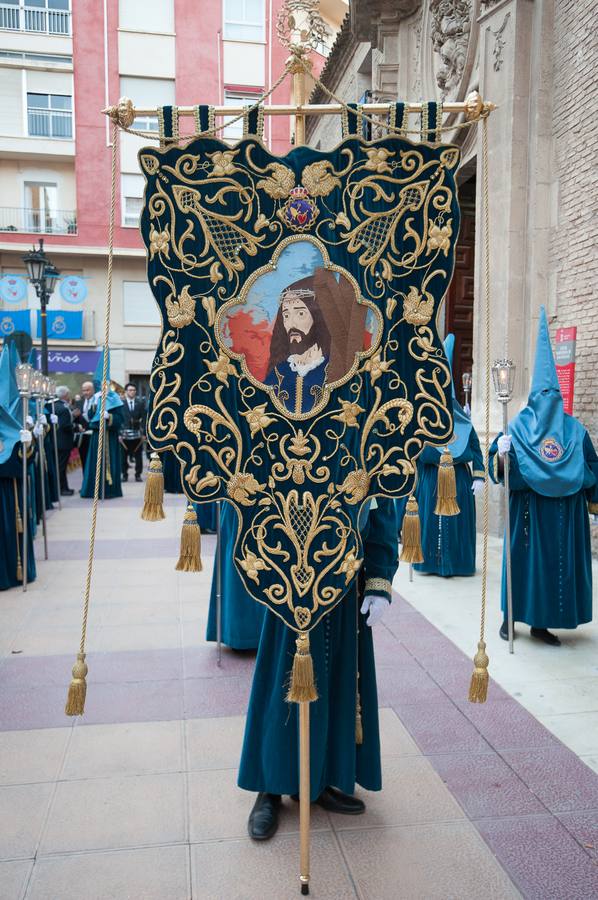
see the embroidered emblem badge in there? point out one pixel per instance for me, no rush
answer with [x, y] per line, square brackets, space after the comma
[300, 211]
[551, 450]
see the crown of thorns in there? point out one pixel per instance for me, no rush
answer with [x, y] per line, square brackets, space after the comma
[301, 293]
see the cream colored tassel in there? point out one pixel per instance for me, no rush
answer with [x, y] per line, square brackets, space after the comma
[190, 553]
[411, 549]
[302, 688]
[446, 496]
[75, 701]
[478, 688]
[153, 509]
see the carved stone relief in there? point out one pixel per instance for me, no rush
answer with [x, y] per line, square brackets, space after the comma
[450, 33]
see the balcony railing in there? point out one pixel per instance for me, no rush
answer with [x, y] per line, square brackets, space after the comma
[38, 221]
[53, 123]
[28, 18]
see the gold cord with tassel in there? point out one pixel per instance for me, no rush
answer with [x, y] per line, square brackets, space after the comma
[411, 549]
[190, 552]
[478, 688]
[18, 530]
[358, 718]
[302, 688]
[446, 493]
[75, 701]
[19, 518]
[153, 510]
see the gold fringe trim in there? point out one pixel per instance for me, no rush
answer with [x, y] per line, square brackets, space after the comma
[18, 517]
[358, 722]
[446, 494]
[302, 688]
[478, 688]
[190, 552]
[411, 538]
[75, 701]
[153, 510]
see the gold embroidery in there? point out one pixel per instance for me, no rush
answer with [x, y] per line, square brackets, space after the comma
[378, 584]
[299, 395]
[181, 311]
[416, 310]
[318, 180]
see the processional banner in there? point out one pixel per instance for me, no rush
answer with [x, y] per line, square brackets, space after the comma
[300, 371]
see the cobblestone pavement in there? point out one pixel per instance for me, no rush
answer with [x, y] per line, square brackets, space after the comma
[137, 799]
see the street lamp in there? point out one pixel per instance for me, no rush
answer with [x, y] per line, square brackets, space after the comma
[23, 375]
[43, 276]
[503, 376]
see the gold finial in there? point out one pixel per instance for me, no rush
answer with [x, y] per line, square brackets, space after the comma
[123, 113]
[475, 107]
[300, 26]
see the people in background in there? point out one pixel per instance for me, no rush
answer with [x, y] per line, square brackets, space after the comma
[81, 416]
[64, 436]
[449, 542]
[553, 480]
[133, 432]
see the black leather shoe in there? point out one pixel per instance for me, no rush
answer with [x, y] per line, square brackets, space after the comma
[138, 478]
[263, 819]
[337, 802]
[125, 478]
[543, 634]
[68, 492]
[504, 631]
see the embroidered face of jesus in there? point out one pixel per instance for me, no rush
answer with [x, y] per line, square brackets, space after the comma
[300, 346]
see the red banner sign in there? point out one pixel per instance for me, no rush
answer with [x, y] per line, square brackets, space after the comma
[565, 364]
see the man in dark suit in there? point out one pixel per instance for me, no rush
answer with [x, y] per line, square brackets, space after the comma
[64, 436]
[83, 410]
[133, 431]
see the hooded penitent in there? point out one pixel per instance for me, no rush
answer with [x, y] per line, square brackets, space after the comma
[461, 422]
[548, 443]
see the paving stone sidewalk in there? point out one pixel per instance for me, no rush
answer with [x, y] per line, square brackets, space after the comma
[138, 798]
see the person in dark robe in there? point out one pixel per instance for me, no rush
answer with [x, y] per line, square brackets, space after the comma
[64, 436]
[82, 409]
[13, 443]
[111, 462]
[242, 618]
[449, 542]
[553, 481]
[343, 657]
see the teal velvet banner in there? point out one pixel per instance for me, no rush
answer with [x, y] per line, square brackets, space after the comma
[299, 371]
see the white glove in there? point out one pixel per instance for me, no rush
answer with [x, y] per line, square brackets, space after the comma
[477, 486]
[25, 436]
[376, 606]
[38, 430]
[106, 415]
[42, 419]
[29, 420]
[54, 419]
[504, 444]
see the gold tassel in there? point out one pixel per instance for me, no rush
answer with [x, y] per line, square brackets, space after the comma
[18, 530]
[358, 722]
[19, 520]
[411, 551]
[75, 701]
[446, 499]
[190, 553]
[153, 510]
[478, 688]
[302, 688]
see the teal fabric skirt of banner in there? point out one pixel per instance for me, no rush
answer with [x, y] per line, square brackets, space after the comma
[300, 371]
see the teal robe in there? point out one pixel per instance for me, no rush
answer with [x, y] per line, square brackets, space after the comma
[172, 473]
[242, 616]
[341, 645]
[448, 542]
[551, 559]
[46, 475]
[53, 485]
[112, 487]
[11, 544]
